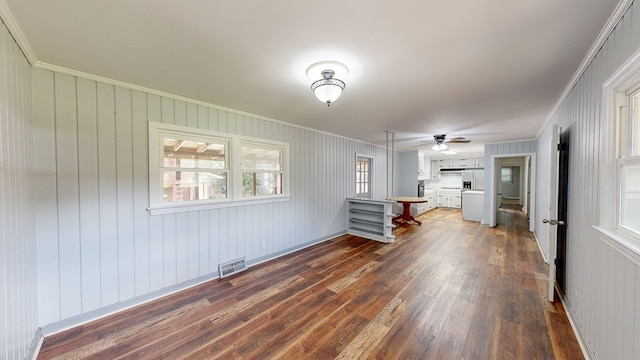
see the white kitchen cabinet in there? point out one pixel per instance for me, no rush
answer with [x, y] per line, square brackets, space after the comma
[426, 167]
[455, 163]
[421, 169]
[431, 203]
[435, 169]
[449, 198]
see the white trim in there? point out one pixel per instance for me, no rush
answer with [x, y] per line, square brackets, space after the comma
[371, 169]
[576, 329]
[234, 170]
[161, 210]
[540, 248]
[102, 312]
[510, 141]
[126, 85]
[622, 243]
[610, 25]
[490, 216]
[36, 345]
[15, 31]
[626, 76]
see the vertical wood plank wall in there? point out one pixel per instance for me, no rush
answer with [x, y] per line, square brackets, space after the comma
[99, 244]
[18, 291]
[603, 286]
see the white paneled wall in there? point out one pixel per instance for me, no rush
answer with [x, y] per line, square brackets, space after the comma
[18, 292]
[602, 285]
[98, 244]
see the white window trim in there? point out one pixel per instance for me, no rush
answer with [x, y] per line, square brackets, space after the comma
[371, 167]
[614, 96]
[234, 177]
[238, 170]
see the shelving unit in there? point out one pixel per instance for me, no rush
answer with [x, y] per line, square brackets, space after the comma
[371, 219]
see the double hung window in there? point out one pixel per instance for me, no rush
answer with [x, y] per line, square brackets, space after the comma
[262, 169]
[193, 169]
[628, 162]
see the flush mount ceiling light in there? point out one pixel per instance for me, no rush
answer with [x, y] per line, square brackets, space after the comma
[326, 76]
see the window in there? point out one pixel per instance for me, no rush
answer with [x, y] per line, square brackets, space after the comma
[363, 177]
[507, 174]
[619, 160]
[261, 169]
[629, 166]
[193, 169]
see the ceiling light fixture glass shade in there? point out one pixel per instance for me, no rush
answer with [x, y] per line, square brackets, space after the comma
[439, 147]
[329, 88]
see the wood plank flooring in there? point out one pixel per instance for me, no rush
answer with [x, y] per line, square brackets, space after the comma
[449, 289]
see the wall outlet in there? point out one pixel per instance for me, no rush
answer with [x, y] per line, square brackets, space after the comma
[575, 297]
[264, 244]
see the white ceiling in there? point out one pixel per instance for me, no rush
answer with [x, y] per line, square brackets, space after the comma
[490, 71]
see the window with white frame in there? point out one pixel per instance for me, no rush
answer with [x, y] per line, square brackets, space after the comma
[262, 169]
[507, 174]
[628, 162]
[363, 177]
[192, 169]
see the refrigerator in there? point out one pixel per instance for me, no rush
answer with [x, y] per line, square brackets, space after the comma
[473, 179]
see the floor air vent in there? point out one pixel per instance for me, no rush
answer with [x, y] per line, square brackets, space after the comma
[232, 267]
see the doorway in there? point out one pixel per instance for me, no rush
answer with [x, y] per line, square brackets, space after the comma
[526, 164]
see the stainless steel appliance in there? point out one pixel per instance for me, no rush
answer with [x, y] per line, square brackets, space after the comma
[420, 188]
[473, 179]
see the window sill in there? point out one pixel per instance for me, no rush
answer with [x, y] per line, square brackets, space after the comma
[623, 243]
[161, 210]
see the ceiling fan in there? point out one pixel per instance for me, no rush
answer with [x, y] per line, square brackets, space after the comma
[439, 140]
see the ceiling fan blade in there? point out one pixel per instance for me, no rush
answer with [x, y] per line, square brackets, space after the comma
[461, 141]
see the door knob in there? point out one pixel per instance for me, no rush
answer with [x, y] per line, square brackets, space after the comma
[553, 222]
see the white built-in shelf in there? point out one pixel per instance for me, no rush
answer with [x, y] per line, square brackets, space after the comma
[371, 219]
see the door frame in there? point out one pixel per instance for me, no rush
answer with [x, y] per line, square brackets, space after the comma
[492, 172]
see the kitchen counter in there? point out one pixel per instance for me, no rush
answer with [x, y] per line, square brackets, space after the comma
[473, 205]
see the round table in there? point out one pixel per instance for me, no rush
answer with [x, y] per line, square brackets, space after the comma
[406, 202]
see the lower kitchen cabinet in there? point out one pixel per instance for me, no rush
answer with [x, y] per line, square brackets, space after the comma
[450, 198]
[430, 204]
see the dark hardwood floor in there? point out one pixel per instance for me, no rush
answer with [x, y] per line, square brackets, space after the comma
[449, 289]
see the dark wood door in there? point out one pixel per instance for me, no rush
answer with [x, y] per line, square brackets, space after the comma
[563, 194]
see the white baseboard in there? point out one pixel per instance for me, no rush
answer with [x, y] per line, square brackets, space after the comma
[574, 326]
[102, 312]
[540, 248]
[36, 344]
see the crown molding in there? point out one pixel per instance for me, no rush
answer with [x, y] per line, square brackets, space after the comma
[611, 24]
[10, 22]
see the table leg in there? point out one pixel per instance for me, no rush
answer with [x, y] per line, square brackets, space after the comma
[406, 214]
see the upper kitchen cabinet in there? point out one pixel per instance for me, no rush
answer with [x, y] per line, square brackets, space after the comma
[421, 172]
[460, 162]
[426, 164]
[412, 170]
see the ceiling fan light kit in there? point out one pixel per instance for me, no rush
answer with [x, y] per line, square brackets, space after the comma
[327, 85]
[439, 147]
[439, 141]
